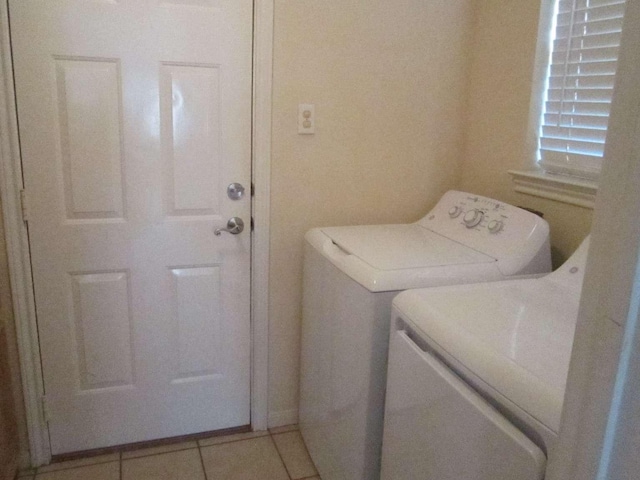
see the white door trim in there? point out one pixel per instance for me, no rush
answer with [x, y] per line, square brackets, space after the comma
[18, 246]
[261, 173]
[18, 256]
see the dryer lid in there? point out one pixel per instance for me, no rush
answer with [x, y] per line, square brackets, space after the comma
[396, 247]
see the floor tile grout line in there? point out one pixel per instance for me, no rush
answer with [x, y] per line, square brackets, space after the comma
[233, 441]
[121, 459]
[286, 469]
[306, 451]
[204, 470]
[38, 472]
[159, 453]
[287, 430]
[120, 456]
[310, 459]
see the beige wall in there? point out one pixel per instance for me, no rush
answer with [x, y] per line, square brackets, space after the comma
[388, 82]
[500, 84]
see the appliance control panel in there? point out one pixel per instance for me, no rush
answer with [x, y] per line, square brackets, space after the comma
[495, 228]
[481, 213]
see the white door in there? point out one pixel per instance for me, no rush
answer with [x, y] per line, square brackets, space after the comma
[134, 117]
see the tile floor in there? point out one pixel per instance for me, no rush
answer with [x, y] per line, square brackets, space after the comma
[278, 454]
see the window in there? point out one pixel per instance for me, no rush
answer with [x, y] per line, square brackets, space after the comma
[579, 85]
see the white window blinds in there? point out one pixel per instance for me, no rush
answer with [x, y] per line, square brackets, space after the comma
[580, 85]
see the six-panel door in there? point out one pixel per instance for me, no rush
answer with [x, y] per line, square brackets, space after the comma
[134, 117]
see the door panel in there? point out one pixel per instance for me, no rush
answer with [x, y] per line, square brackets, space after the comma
[90, 135]
[101, 311]
[197, 322]
[134, 117]
[190, 117]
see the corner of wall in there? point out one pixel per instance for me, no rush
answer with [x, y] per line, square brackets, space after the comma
[499, 135]
[283, 417]
[389, 86]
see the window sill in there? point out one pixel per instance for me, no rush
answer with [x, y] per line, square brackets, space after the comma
[561, 188]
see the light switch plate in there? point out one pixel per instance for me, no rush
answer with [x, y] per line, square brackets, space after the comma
[306, 119]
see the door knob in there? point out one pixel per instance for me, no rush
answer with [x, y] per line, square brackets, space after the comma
[235, 225]
[235, 191]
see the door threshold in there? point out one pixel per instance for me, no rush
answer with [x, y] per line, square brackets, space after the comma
[65, 457]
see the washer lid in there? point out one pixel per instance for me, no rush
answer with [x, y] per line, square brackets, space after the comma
[516, 336]
[395, 247]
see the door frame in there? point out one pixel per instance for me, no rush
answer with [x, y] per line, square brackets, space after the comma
[11, 185]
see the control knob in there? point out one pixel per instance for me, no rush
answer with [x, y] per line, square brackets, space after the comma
[472, 218]
[455, 212]
[495, 226]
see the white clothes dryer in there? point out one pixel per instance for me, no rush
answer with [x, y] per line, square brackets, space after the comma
[477, 376]
[351, 275]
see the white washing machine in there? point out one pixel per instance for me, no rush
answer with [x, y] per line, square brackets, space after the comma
[477, 376]
[351, 275]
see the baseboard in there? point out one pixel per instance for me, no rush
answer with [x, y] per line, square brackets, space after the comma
[283, 417]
